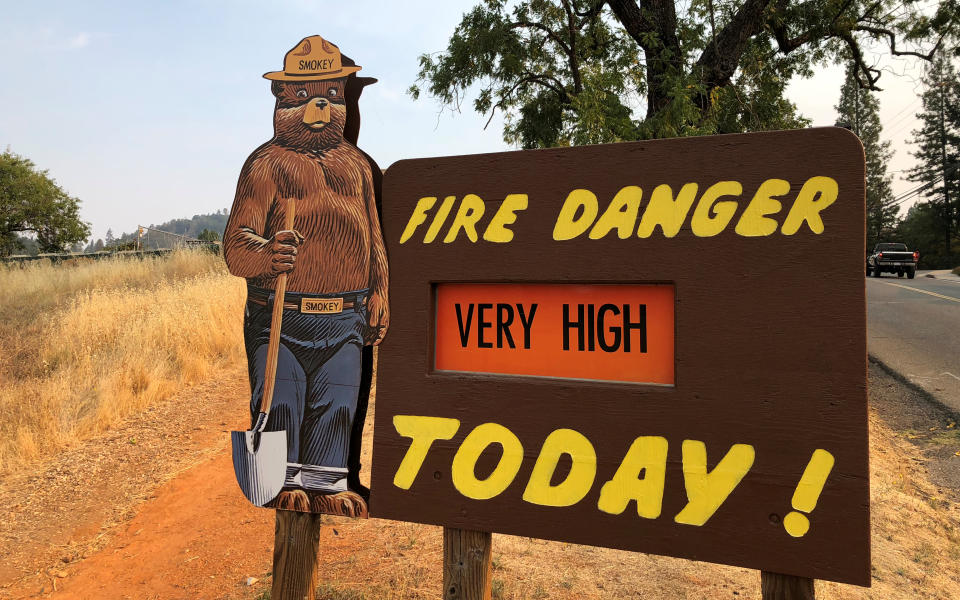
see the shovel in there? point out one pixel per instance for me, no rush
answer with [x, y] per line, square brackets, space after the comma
[260, 457]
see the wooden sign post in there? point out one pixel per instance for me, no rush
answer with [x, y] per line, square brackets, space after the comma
[654, 346]
[467, 561]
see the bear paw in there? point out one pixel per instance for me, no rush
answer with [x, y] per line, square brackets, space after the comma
[344, 504]
[292, 500]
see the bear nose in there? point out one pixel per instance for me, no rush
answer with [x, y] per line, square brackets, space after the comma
[320, 102]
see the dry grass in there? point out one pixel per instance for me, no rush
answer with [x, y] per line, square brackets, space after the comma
[85, 345]
[915, 538]
[956, 271]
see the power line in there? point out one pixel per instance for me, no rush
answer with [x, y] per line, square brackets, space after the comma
[924, 186]
[894, 118]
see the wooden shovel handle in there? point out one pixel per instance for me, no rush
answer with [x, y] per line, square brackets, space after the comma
[273, 349]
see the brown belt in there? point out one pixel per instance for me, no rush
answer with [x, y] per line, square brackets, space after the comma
[316, 306]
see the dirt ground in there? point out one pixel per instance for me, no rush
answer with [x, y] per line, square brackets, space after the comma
[151, 510]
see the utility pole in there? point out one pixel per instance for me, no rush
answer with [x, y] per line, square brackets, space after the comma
[858, 130]
[947, 217]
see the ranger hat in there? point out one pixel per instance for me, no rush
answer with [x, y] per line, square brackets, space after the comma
[311, 59]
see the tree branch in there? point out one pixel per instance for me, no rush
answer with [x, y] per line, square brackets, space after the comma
[654, 29]
[720, 60]
[572, 54]
[633, 20]
[528, 78]
[785, 44]
[860, 65]
[591, 12]
[870, 9]
[550, 33]
[550, 83]
[882, 31]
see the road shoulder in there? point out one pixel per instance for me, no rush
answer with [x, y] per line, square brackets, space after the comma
[922, 420]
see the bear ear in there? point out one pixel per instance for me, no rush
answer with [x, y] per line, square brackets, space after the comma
[354, 87]
[277, 88]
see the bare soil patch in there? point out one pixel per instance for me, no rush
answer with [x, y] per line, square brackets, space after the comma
[178, 526]
[65, 510]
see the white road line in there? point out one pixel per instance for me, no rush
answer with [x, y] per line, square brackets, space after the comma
[951, 375]
[907, 287]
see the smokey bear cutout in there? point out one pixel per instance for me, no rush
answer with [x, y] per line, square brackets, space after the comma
[333, 261]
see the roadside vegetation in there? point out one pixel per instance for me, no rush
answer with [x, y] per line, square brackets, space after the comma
[85, 345]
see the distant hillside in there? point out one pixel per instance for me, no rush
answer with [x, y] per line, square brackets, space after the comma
[192, 228]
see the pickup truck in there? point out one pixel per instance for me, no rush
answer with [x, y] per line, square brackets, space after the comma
[892, 258]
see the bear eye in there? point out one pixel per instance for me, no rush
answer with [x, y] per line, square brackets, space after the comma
[333, 92]
[301, 93]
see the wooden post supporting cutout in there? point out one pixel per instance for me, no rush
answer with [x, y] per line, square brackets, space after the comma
[467, 564]
[775, 586]
[296, 545]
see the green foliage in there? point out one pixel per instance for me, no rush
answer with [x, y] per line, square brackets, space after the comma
[569, 72]
[859, 109]
[921, 229]
[208, 236]
[555, 90]
[215, 222]
[938, 151]
[755, 100]
[26, 245]
[32, 202]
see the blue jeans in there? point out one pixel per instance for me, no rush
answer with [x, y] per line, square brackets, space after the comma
[317, 385]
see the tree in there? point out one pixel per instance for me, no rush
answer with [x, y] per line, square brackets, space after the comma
[27, 245]
[208, 236]
[859, 109]
[32, 202]
[921, 229]
[938, 147]
[578, 71]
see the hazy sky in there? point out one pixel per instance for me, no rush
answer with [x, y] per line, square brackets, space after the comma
[146, 111]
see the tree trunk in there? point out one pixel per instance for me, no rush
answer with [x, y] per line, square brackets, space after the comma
[654, 29]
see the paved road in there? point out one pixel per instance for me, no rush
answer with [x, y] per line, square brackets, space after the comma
[913, 326]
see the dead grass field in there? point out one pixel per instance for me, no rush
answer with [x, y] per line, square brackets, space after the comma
[87, 344]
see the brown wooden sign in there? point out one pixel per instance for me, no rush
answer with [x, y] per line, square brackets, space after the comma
[656, 346]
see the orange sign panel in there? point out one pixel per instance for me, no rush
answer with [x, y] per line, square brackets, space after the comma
[606, 332]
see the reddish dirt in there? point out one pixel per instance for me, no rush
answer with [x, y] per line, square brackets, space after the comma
[148, 510]
[151, 509]
[199, 538]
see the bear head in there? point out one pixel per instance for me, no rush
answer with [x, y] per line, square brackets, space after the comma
[310, 114]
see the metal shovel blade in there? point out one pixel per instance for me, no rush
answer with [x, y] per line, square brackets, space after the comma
[260, 471]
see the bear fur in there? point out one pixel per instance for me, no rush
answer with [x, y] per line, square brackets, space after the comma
[333, 184]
